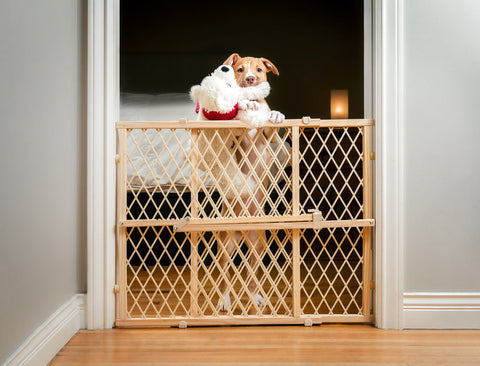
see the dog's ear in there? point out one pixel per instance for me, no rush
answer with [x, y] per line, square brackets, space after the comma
[232, 59]
[270, 66]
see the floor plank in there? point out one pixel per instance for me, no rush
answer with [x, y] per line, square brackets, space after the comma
[272, 345]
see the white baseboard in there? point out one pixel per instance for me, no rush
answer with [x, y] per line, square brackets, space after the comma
[445, 310]
[42, 346]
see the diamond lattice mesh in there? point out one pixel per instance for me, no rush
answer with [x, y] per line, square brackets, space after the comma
[331, 271]
[158, 172]
[331, 172]
[163, 169]
[158, 272]
[171, 174]
[160, 281]
[247, 273]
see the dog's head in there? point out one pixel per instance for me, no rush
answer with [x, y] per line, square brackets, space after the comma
[250, 71]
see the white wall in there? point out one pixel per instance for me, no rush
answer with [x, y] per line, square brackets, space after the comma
[42, 163]
[441, 146]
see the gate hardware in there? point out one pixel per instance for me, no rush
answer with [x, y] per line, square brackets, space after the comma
[306, 120]
[317, 218]
[182, 223]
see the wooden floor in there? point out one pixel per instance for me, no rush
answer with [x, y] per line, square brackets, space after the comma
[294, 345]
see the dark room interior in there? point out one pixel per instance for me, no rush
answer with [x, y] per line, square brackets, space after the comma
[317, 46]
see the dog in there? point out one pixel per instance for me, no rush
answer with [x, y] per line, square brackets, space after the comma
[250, 72]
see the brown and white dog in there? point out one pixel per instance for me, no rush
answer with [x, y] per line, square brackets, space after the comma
[250, 71]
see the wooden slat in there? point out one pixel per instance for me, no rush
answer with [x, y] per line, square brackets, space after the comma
[296, 211]
[122, 231]
[332, 123]
[367, 213]
[242, 320]
[144, 223]
[194, 207]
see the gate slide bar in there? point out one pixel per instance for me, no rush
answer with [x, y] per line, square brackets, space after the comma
[216, 221]
[194, 225]
[249, 223]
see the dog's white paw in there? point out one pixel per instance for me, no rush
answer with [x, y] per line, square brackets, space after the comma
[259, 300]
[224, 303]
[248, 105]
[242, 105]
[276, 117]
[252, 133]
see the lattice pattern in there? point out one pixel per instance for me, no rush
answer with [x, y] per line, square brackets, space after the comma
[158, 272]
[331, 172]
[163, 170]
[268, 272]
[160, 279]
[331, 271]
[247, 173]
[158, 173]
[223, 174]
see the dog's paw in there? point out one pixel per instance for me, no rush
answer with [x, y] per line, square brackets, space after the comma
[248, 105]
[276, 117]
[242, 105]
[224, 303]
[259, 300]
[251, 133]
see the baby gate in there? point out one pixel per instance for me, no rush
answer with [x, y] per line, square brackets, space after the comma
[197, 246]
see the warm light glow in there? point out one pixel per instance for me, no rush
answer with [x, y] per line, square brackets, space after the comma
[339, 104]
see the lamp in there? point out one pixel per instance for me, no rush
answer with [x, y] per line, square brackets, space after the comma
[339, 103]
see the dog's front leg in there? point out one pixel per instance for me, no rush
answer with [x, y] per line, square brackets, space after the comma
[257, 241]
[225, 248]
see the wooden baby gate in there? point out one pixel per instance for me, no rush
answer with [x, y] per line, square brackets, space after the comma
[197, 247]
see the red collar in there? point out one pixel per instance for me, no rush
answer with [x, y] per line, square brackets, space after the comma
[212, 115]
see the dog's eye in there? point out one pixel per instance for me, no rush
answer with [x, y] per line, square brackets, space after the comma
[259, 70]
[240, 69]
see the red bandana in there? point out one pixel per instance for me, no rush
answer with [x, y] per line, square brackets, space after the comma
[212, 115]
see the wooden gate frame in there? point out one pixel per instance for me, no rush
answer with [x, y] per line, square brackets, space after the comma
[295, 223]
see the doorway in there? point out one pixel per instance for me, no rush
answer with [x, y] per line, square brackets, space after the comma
[319, 48]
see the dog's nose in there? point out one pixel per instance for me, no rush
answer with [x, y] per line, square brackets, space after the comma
[224, 68]
[250, 80]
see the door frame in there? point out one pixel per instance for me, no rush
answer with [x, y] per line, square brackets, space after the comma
[383, 41]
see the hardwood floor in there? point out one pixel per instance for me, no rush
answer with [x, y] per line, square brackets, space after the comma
[293, 345]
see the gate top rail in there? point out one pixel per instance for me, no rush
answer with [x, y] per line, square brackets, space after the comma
[299, 122]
